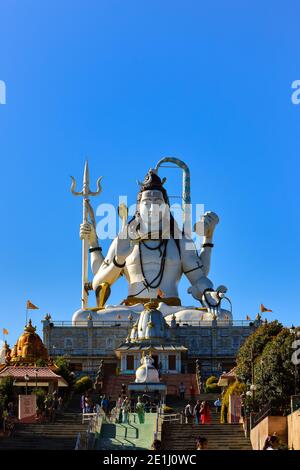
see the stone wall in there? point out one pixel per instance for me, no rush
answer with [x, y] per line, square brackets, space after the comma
[267, 427]
[213, 345]
[294, 430]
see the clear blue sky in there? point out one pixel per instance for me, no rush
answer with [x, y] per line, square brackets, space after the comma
[125, 83]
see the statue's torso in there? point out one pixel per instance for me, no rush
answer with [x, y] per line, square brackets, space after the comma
[151, 261]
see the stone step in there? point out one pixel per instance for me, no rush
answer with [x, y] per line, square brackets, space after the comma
[59, 435]
[219, 436]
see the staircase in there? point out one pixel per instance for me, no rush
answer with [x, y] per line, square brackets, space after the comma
[132, 436]
[60, 435]
[112, 386]
[173, 380]
[177, 436]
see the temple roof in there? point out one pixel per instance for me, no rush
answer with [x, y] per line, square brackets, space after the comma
[227, 377]
[40, 374]
[28, 349]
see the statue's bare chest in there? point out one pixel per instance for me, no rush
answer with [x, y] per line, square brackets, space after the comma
[154, 254]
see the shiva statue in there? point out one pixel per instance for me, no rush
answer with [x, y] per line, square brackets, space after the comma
[153, 253]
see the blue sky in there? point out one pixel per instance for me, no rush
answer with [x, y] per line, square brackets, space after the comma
[124, 84]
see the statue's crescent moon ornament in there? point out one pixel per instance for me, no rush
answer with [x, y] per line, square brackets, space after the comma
[123, 213]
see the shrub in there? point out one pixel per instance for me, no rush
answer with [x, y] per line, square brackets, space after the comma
[212, 379]
[211, 385]
[212, 388]
[63, 369]
[167, 409]
[83, 385]
[40, 397]
[236, 387]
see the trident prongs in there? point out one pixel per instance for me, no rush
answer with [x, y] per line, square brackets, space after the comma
[86, 192]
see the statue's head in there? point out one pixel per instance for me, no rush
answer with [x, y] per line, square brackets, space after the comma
[152, 201]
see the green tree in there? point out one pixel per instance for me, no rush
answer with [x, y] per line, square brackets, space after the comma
[6, 391]
[64, 370]
[253, 347]
[41, 363]
[275, 373]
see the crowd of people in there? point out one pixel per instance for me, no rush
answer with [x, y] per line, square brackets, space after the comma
[199, 414]
[118, 410]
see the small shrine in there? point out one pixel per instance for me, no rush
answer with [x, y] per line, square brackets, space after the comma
[29, 364]
[150, 335]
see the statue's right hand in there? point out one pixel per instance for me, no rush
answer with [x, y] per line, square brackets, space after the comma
[124, 245]
[88, 232]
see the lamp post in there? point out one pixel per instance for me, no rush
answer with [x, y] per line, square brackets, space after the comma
[253, 389]
[262, 380]
[26, 378]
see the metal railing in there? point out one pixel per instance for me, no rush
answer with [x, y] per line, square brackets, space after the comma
[88, 416]
[126, 323]
[115, 324]
[256, 418]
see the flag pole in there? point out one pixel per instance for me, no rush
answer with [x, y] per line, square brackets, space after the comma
[26, 315]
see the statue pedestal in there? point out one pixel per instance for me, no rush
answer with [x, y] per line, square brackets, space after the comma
[156, 391]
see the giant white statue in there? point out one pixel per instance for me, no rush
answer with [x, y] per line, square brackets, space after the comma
[153, 254]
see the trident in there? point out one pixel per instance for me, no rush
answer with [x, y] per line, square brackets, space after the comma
[85, 193]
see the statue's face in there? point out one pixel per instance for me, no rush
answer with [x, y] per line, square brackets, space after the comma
[152, 207]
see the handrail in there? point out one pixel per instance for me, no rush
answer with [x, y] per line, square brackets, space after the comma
[87, 416]
[170, 417]
[125, 323]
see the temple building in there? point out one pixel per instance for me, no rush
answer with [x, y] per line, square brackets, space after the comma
[28, 363]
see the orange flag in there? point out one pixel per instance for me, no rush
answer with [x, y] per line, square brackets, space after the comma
[264, 309]
[31, 306]
[248, 318]
[5, 331]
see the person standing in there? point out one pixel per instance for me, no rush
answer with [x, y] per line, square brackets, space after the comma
[59, 403]
[105, 404]
[125, 410]
[119, 409]
[181, 390]
[188, 413]
[140, 409]
[218, 405]
[205, 413]
[197, 413]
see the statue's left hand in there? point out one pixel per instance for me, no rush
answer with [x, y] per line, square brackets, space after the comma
[207, 224]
